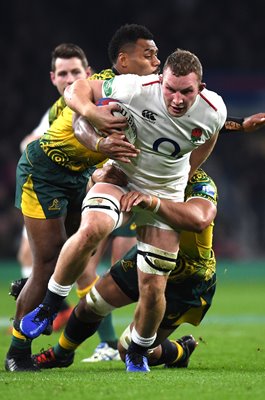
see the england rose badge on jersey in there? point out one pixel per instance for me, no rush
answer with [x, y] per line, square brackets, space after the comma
[196, 134]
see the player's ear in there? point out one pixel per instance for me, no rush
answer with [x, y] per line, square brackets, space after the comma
[89, 71]
[123, 59]
[202, 86]
[52, 76]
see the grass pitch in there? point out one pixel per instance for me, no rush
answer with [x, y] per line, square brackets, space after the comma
[229, 362]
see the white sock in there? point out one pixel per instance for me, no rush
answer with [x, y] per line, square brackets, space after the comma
[59, 289]
[141, 341]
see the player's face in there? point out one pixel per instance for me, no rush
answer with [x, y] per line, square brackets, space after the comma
[67, 71]
[179, 92]
[142, 58]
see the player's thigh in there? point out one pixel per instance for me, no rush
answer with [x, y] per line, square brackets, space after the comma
[151, 285]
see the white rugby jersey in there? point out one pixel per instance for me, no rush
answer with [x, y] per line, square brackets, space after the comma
[165, 142]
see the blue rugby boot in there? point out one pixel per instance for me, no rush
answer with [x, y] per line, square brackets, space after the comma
[36, 322]
[136, 362]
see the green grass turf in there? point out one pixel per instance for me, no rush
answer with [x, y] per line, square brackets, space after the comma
[229, 362]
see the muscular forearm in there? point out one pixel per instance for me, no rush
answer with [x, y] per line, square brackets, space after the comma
[85, 133]
[232, 124]
[194, 215]
[79, 97]
[82, 97]
[247, 124]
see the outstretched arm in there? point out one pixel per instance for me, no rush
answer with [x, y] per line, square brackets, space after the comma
[247, 124]
[254, 122]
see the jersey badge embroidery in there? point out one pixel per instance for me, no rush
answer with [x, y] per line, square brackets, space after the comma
[196, 134]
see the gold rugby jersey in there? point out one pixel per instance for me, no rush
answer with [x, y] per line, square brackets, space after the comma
[56, 109]
[60, 143]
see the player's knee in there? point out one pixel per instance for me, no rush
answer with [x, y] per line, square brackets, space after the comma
[46, 252]
[88, 237]
[107, 206]
[151, 295]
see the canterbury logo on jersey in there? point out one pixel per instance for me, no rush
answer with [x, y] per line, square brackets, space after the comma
[55, 205]
[149, 116]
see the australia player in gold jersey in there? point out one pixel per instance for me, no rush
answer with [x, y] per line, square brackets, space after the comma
[68, 63]
[189, 290]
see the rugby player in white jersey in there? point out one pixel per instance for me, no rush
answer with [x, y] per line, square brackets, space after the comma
[174, 116]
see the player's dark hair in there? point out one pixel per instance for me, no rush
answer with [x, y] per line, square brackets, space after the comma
[183, 62]
[126, 34]
[68, 50]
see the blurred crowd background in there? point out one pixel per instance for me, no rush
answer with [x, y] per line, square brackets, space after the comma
[228, 37]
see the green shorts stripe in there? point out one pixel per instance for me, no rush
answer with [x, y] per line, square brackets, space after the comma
[128, 230]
